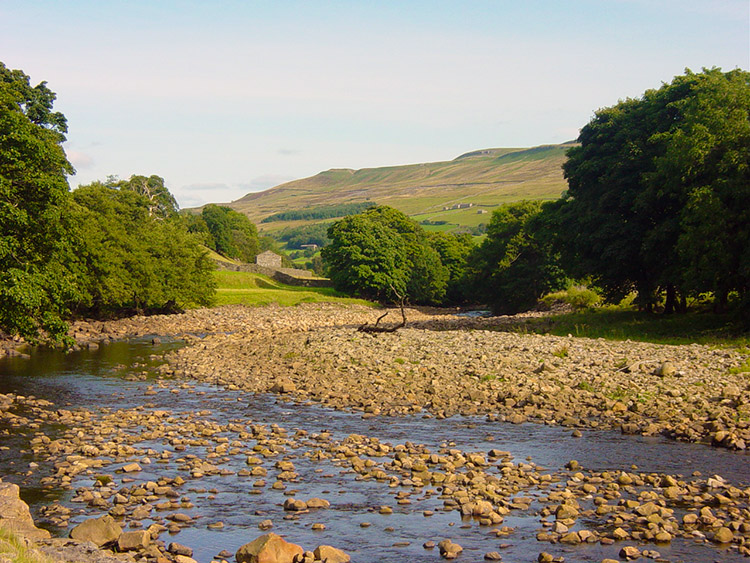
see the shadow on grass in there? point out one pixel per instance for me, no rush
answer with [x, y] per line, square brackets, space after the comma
[617, 324]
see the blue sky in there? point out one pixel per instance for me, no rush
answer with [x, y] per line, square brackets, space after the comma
[226, 97]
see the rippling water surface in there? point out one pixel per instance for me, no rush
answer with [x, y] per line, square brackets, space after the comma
[96, 378]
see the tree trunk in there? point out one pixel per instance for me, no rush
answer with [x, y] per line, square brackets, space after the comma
[720, 301]
[683, 303]
[670, 304]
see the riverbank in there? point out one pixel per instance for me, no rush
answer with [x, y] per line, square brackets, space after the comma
[443, 365]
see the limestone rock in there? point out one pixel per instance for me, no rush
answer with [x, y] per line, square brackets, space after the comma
[268, 548]
[15, 515]
[330, 554]
[129, 541]
[99, 531]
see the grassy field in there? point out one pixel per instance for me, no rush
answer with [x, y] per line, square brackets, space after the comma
[614, 323]
[244, 288]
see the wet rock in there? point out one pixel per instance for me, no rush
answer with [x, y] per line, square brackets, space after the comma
[178, 549]
[629, 552]
[330, 554]
[318, 503]
[268, 548]
[723, 535]
[449, 550]
[295, 505]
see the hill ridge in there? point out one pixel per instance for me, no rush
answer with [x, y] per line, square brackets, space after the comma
[484, 178]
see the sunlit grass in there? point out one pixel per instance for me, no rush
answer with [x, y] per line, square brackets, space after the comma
[245, 288]
[14, 549]
[614, 323]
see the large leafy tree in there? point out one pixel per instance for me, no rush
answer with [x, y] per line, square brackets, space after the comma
[382, 254]
[644, 185]
[161, 203]
[131, 260]
[514, 266]
[232, 233]
[454, 251]
[366, 258]
[35, 286]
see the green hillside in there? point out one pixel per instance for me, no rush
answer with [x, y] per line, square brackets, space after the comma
[484, 178]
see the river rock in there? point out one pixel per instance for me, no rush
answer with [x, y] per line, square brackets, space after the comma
[129, 541]
[179, 549]
[268, 548]
[99, 531]
[318, 503]
[630, 552]
[449, 550]
[15, 514]
[723, 535]
[330, 554]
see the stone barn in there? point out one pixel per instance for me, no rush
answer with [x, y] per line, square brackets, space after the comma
[268, 259]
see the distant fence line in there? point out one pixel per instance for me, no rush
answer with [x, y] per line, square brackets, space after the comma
[289, 276]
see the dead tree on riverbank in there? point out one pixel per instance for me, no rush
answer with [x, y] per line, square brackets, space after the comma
[375, 329]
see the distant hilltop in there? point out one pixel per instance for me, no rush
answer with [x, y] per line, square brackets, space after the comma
[454, 193]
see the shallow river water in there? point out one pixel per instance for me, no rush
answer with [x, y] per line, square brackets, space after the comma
[98, 378]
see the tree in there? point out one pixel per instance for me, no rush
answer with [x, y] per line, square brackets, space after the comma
[454, 251]
[382, 254]
[366, 258]
[133, 261]
[514, 267]
[232, 233]
[35, 285]
[161, 203]
[644, 185]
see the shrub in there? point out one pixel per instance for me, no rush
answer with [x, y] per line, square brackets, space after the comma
[577, 296]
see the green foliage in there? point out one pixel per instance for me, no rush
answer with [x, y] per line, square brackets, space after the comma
[35, 287]
[320, 212]
[454, 251]
[658, 192]
[231, 233]
[366, 258]
[295, 237]
[132, 260]
[161, 203]
[577, 296]
[514, 266]
[381, 254]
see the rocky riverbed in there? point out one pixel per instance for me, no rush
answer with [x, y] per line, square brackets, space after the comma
[159, 466]
[444, 365]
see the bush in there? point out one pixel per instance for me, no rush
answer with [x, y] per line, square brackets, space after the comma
[577, 296]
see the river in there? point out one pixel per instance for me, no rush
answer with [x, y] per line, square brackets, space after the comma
[116, 376]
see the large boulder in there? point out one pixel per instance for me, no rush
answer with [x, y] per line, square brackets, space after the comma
[268, 548]
[99, 531]
[15, 514]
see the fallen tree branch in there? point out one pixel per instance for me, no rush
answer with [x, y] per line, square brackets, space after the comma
[375, 329]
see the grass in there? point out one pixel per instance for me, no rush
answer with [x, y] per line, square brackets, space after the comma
[622, 324]
[245, 288]
[13, 548]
